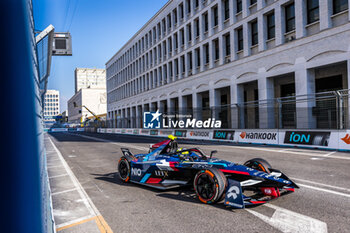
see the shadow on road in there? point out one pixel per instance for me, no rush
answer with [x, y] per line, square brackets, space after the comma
[185, 193]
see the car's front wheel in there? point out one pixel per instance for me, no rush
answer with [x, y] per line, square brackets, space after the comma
[124, 169]
[210, 185]
[258, 164]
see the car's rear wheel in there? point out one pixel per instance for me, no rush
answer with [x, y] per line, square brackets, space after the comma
[210, 185]
[258, 164]
[124, 169]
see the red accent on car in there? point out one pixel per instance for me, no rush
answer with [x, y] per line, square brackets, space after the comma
[257, 202]
[290, 189]
[172, 165]
[153, 180]
[233, 171]
[272, 192]
[154, 146]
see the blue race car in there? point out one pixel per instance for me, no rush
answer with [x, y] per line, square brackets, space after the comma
[167, 166]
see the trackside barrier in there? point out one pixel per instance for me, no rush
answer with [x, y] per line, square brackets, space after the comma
[317, 139]
[66, 129]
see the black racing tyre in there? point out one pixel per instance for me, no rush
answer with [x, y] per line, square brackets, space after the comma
[124, 169]
[258, 164]
[210, 185]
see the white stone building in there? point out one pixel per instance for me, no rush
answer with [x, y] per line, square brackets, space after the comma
[201, 54]
[89, 78]
[92, 99]
[51, 105]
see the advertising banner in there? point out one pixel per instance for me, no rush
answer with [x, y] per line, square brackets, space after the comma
[80, 129]
[199, 134]
[224, 135]
[343, 139]
[144, 131]
[109, 130]
[153, 132]
[261, 136]
[180, 133]
[310, 138]
[58, 129]
[165, 132]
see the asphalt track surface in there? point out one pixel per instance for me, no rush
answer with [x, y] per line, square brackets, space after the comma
[322, 204]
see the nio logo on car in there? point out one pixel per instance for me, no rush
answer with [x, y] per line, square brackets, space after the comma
[233, 192]
[136, 171]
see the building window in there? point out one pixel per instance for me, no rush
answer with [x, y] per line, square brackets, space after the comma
[196, 3]
[169, 21]
[182, 33]
[339, 6]
[252, 2]
[206, 50]
[215, 15]
[175, 16]
[270, 20]
[197, 27]
[254, 32]
[198, 57]
[189, 56]
[226, 9]
[176, 40]
[206, 22]
[239, 6]
[290, 17]
[188, 6]
[312, 11]
[183, 63]
[181, 8]
[227, 44]
[189, 31]
[216, 49]
[239, 39]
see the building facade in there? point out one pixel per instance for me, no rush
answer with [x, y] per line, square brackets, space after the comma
[84, 100]
[212, 57]
[89, 78]
[51, 105]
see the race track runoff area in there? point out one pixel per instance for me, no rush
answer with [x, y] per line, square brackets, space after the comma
[320, 205]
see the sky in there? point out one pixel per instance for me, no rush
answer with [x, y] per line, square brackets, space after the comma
[99, 28]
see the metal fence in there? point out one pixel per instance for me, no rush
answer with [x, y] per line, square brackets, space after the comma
[325, 110]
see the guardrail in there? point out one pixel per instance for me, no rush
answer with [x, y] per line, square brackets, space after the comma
[320, 139]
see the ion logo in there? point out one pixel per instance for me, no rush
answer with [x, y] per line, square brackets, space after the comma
[152, 120]
[308, 138]
[225, 135]
[136, 171]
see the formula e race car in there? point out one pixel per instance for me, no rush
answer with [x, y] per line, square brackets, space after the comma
[167, 166]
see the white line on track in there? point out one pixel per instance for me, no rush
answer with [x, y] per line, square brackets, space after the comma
[328, 155]
[289, 221]
[74, 221]
[64, 191]
[51, 177]
[84, 197]
[321, 184]
[324, 190]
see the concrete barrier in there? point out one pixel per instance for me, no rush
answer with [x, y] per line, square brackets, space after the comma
[317, 139]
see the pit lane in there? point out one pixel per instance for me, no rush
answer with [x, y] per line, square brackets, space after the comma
[320, 205]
